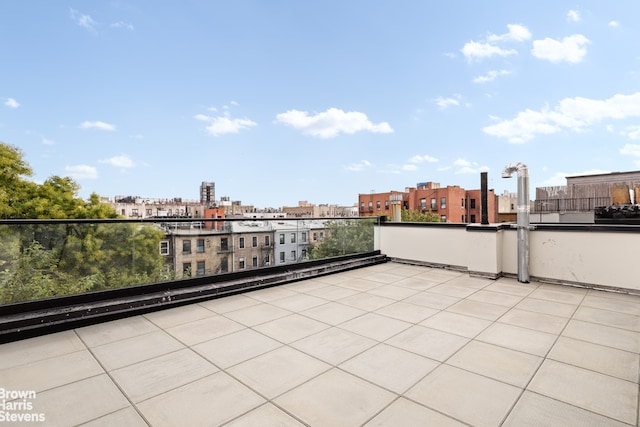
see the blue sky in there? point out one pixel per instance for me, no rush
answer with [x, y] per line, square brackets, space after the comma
[279, 101]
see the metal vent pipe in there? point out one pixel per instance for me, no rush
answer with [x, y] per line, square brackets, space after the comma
[523, 217]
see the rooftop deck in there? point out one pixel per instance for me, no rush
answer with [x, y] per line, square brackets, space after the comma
[391, 344]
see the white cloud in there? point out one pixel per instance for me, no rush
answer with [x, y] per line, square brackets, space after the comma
[332, 122]
[46, 141]
[409, 168]
[121, 24]
[122, 161]
[614, 24]
[358, 167]
[631, 132]
[425, 158]
[85, 21]
[11, 103]
[464, 166]
[97, 125]
[444, 103]
[81, 172]
[491, 76]
[570, 49]
[479, 50]
[573, 16]
[631, 150]
[518, 33]
[573, 114]
[223, 124]
[202, 117]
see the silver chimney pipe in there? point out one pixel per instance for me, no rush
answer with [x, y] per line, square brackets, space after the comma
[523, 217]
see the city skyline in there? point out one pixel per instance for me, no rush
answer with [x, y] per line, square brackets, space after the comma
[283, 101]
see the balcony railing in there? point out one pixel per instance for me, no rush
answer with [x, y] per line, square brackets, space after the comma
[570, 205]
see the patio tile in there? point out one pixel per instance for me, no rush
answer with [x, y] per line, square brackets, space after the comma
[452, 290]
[212, 400]
[516, 338]
[603, 335]
[557, 294]
[428, 342]
[608, 396]
[479, 309]
[384, 277]
[394, 292]
[374, 326]
[257, 314]
[432, 300]
[621, 303]
[291, 328]
[339, 399]
[333, 279]
[332, 293]
[497, 298]
[34, 349]
[270, 294]
[278, 371]
[403, 412]
[458, 324]
[334, 345]
[361, 285]
[534, 410]
[466, 396]
[135, 349]
[124, 417]
[608, 318]
[519, 289]
[179, 315]
[471, 282]
[266, 415]
[230, 303]
[68, 405]
[536, 321]
[333, 313]
[236, 347]
[204, 329]
[405, 270]
[439, 274]
[366, 301]
[390, 367]
[49, 373]
[115, 330]
[502, 364]
[417, 283]
[606, 360]
[547, 307]
[155, 376]
[299, 302]
[408, 312]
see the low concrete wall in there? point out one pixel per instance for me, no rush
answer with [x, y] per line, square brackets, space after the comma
[599, 256]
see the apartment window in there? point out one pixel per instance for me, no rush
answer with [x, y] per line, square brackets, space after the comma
[282, 238]
[386, 205]
[315, 236]
[362, 206]
[462, 218]
[443, 218]
[267, 259]
[304, 254]
[186, 269]
[433, 204]
[254, 241]
[254, 261]
[224, 265]
[267, 240]
[370, 206]
[321, 235]
[378, 205]
[462, 202]
[512, 207]
[293, 255]
[303, 237]
[293, 237]
[149, 212]
[281, 256]
[134, 212]
[473, 203]
[423, 204]
[473, 219]
[123, 212]
[164, 247]
[200, 268]
[186, 246]
[200, 246]
[241, 242]
[443, 203]
[224, 244]
[241, 263]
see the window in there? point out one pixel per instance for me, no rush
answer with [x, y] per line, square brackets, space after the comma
[123, 212]
[321, 235]
[224, 265]
[282, 238]
[149, 212]
[512, 206]
[362, 206]
[200, 246]
[443, 218]
[423, 204]
[473, 218]
[473, 203]
[293, 255]
[186, 269]
[293, 237]
[386, 205]
[303, 237]
[200, 268]
[254, 261]
[186, 246]
[281, 256]
[267, 260]
[315, 236]
[267, 240]
[241, 242]
[378, 205]
[462, 202]
[241, 263]
[254, 241]
[164, 247]
[433, 204]
[224, 244]
[370, 206]
[443, 203]
[134, 212]
[304, 254]
[462, 218]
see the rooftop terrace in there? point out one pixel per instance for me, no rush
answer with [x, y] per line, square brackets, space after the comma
[390, 344]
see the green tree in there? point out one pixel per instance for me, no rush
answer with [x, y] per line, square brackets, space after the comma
[344, 237]
[417, 216]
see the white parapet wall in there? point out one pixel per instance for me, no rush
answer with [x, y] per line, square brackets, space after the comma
[599, 256]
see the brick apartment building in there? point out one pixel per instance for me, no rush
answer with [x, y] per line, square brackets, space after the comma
[452, 203]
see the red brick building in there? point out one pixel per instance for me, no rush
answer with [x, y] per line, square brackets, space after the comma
[452, 203]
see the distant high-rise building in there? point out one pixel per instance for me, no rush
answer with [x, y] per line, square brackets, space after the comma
[207, 192]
